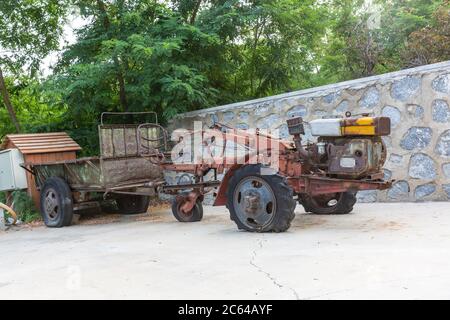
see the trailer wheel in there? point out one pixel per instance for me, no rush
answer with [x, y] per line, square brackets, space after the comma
[196, 214]
[56, 203]
[336, 203]
[133, 204]
[260, 203]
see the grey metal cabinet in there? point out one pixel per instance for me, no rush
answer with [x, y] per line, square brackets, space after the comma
[12, 175]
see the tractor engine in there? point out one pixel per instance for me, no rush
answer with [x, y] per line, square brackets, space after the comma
[347, 148]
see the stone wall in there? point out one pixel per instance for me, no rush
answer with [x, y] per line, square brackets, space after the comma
[417, 101]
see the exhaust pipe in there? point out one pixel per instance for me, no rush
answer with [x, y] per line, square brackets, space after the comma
[296, 129]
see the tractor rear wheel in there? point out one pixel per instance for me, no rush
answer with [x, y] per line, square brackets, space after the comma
[335, 203]
[260, 203]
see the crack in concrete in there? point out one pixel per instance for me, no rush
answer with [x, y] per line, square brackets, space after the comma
[267, 274]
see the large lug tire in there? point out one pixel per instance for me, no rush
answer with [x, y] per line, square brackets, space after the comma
[195, 215]
[260, 203]
[133, 204]
[336, 203]
[56, 203]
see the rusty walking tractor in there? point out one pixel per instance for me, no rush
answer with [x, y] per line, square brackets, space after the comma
[324, 176]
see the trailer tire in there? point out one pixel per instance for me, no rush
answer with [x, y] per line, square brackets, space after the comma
[273, 202]
[133, 204]
[56, 203]
[194, 216]
[344, 203]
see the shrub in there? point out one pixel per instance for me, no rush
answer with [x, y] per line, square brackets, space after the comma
[23, 205]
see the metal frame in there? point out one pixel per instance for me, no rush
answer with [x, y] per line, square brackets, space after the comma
[140, 139]
[293, 165]
[72, 170]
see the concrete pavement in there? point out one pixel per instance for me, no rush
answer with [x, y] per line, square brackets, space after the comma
[381, 251]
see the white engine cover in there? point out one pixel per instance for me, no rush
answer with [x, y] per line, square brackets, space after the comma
[326, 127]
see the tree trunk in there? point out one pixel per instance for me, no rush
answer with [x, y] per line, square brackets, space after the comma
[122, 93]
[195, 11]
[7, 102]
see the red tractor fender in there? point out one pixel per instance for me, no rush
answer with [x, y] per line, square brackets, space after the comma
[221, 198]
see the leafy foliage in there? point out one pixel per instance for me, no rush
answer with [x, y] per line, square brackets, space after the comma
[29, 30]
[23, 205]
[182, 55]
[365, 40]
[431, 43]
[33, 107]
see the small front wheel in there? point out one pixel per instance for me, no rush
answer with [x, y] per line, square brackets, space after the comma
[56, 203]
[196, 213]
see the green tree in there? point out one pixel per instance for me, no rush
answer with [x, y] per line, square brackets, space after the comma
[269, 45]
[357, 46]
[431, 43]
[34, 106]
[400, 19]
[145, 55]
[29, 30]
[135, 55]
[353, 44]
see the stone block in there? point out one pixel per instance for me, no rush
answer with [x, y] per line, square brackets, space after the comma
[243, 116]
[297, 111]
[367, 196]
[330, 98]
[399, 190]
[422, 166]
[441, 111]
[446, 188]
[443, 144]
[269, 121]
[242, 126]
[395, 158]
[424, 191]
[416, 138]
[393, 113]
[442, 83]
[405, 88]
[446, 169]
[370, 99]
[342, 107]
[228, 116]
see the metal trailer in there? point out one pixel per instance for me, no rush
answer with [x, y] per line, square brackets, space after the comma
[128, 171]
[133, 157]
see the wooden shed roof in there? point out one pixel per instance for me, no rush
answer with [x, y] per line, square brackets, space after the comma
[40, 142]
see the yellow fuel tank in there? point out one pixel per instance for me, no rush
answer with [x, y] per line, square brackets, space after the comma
[365, 126]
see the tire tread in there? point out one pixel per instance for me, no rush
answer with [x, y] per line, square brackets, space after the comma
[344, 206]
[65, 194]
[283, 193]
